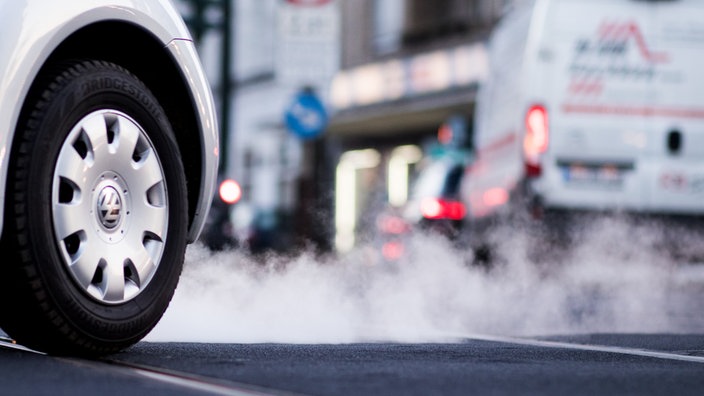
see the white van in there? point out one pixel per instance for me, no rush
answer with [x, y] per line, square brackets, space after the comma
[592, 105]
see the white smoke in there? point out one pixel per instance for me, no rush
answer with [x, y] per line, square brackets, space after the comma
[617, 279]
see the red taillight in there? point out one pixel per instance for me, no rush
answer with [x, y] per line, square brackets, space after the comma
[392, 250]
[392, 225]
[495, 197]
[435, 209]
[536, 139]
[230, 191]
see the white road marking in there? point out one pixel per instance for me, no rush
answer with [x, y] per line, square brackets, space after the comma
[582, 347]
[188, 381]
[194, 384]
[11, 344]
[183, 380]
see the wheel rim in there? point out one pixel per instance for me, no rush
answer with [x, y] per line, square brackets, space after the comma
[109, 206]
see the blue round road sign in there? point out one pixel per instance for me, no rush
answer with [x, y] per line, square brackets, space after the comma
[306, 116]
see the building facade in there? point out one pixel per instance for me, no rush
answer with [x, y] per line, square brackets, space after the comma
[390, 72]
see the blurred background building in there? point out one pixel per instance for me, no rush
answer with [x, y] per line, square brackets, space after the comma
[388, 72]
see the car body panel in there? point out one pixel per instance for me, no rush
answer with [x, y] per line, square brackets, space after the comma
[33, 29]
[184, 52]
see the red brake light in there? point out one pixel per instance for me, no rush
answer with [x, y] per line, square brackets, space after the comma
[230, 191]
[392, 225]
[392, 250]
[536, 139]
[434, 208]
[495, 196]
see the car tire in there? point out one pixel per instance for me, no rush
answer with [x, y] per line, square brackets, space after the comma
[96, 213]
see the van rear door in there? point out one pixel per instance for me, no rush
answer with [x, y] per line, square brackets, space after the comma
[675, 158]
[622, 88]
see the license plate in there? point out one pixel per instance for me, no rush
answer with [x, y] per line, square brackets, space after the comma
[590, 175]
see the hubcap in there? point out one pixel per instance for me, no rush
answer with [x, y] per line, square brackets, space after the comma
[109, 206]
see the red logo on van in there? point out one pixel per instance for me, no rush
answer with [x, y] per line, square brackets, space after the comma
[593, 64]
[616, 35]
[614, 39]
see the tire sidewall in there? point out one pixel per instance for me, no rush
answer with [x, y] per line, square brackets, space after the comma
[104, 87]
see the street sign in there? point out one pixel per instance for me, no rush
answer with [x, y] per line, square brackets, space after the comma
[308, 47]
[306, 117]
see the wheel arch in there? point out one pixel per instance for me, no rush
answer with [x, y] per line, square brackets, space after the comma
[144, 55]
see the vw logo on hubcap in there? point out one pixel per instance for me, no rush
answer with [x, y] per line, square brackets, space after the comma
[109, 208]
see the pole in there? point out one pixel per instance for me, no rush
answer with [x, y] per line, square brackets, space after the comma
[226, 95]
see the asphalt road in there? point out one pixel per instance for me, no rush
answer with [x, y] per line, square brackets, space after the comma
[653, 343]
[655, 364]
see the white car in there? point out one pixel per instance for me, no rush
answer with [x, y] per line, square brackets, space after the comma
[108, 160]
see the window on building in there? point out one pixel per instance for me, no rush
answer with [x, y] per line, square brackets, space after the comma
[388, 25]
[401, 24]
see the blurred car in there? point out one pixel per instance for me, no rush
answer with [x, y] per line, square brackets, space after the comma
[108, 164]
[434, 206]
[434, 203]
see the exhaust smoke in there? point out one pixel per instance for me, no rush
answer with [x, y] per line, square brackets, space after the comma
[618, 278]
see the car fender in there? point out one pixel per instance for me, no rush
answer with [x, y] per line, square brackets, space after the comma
[33, 29]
